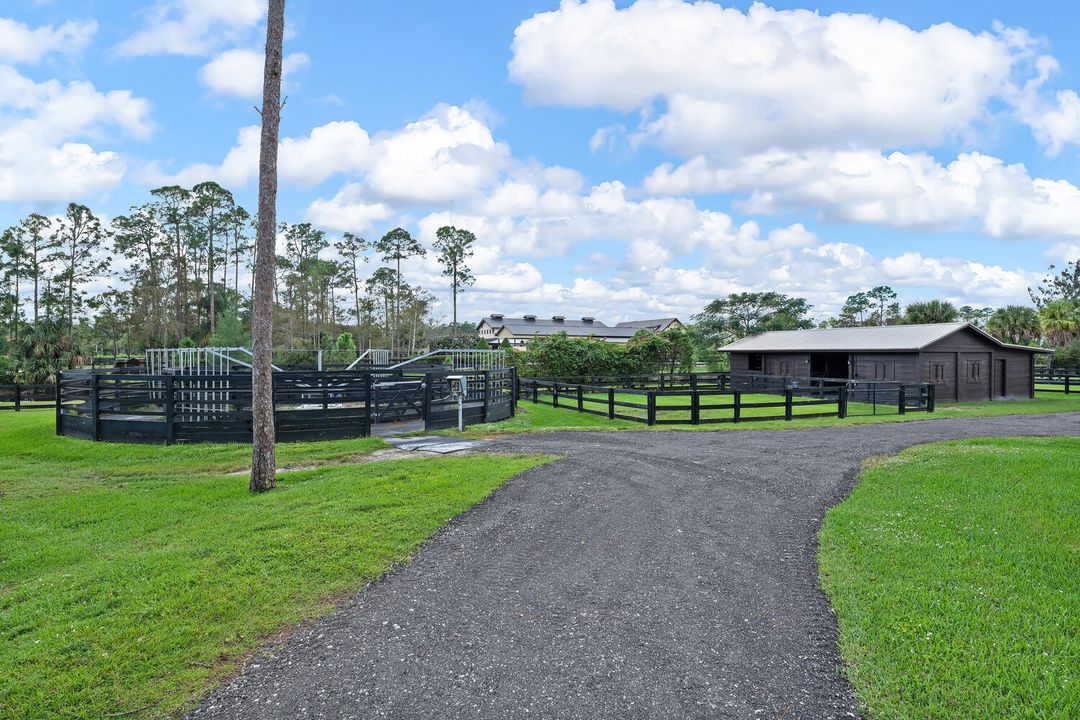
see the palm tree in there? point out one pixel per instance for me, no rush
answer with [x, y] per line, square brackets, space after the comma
[1015, 324]
[263, 452]
[1060, 320]
[44, 351]
[931, 311]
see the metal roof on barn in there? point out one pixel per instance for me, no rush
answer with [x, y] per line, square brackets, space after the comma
[886, 338]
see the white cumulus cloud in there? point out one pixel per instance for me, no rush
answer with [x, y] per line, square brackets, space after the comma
[20, 43]
[239, 72]
[902, 190]
[193, 27]
[715, 80]
[44, 155]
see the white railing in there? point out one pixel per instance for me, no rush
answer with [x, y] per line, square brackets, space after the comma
[462, 359]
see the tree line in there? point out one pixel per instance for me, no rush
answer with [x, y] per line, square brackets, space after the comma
[1052, 320]
[176, 271]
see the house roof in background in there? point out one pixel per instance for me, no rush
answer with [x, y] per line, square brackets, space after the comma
[658, 323]
[889, 338]
[573, 328]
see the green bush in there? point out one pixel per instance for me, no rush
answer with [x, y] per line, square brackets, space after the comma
[1068, 356]
[7, 370]
[569, 358]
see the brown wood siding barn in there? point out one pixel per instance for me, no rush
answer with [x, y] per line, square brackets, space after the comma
[965, 363]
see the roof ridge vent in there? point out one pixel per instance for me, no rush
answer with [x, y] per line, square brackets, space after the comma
[558, 318]
[496, 316]
[530, 317]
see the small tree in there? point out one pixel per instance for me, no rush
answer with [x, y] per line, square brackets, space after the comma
[397, 245]
[353, 248]
[80, 239]
[931, 311]
[344, 350]
[1060, 321]
[455, 247]
[750, 313]
[1058, 285]
[882, 300]
[1015, 324]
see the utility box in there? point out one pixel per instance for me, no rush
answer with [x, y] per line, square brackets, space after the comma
[459, 385]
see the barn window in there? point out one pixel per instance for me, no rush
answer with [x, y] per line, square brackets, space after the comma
[783, 367]
[756, 362]
[936, 373]
[881, 371]
[974, 371]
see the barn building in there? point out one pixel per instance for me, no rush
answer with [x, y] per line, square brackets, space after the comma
[965, 363]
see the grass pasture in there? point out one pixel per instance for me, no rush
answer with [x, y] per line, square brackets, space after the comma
[952, 569]
[135, 577]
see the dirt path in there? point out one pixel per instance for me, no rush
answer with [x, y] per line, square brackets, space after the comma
[647, 575]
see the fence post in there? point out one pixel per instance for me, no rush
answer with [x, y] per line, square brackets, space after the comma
[1067, 378]
[693, 382]
[368, 386]
[580, 401]
[841, 403]
[59, 399]
[555, 394]
[18, 397]
[650, 412]
[95, 410]
[536, 392]
[787, 403]
[611, 403]
[695, 408]
[736, 411]
[425, 409]
[901, 398]
[170, 410]
[931, 396]
[514, 389]
[273, 401]
[487, 394]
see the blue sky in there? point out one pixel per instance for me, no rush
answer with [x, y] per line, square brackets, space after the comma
[615, 159]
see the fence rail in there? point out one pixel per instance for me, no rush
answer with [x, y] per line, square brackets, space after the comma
[1057, 381]
[27, 397]
[722, 398]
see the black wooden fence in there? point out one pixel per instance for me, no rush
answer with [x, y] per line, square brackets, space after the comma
[125, 407]
[723, 398]
[27, 397]
[1057, 381]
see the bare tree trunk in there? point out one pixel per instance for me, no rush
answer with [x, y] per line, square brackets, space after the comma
[263, 452]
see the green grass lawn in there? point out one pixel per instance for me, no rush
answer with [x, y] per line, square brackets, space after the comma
[539, 418]
[953, 571]
[135, 577]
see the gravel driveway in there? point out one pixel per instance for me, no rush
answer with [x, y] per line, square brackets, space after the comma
[647, 575]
